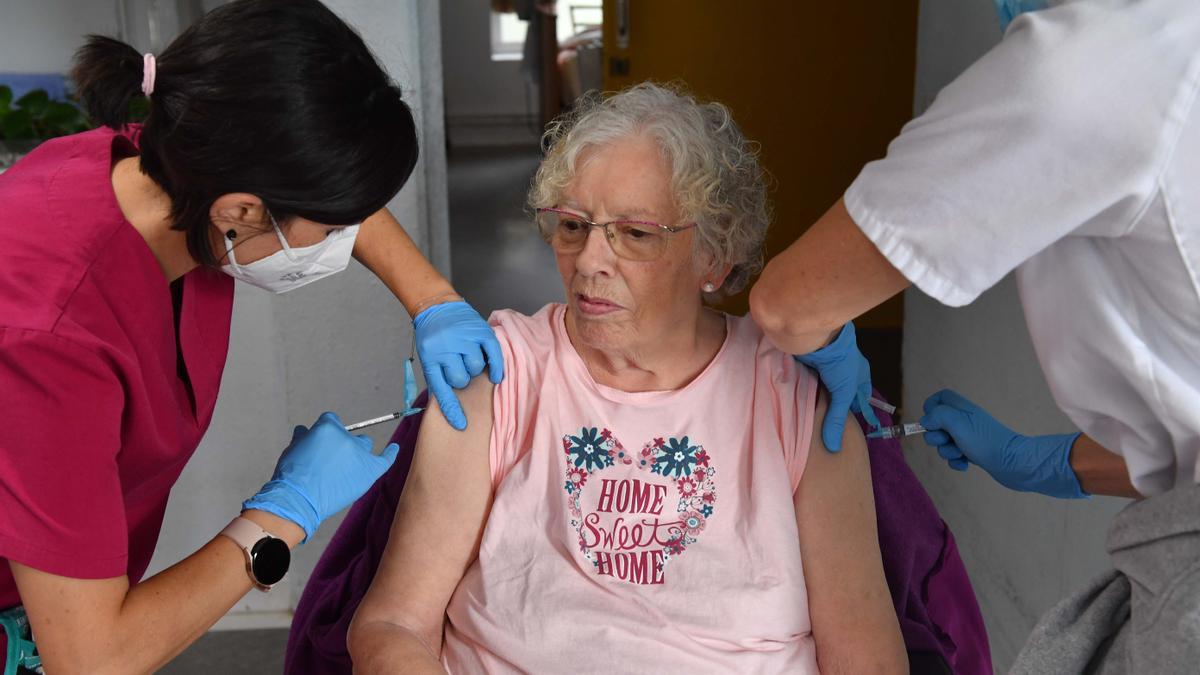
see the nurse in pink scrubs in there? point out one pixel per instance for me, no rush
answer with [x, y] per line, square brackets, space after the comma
[273, 143]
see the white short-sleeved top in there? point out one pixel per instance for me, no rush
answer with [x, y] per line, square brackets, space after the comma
[1071, 153]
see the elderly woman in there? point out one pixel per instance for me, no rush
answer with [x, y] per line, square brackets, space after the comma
[647, 489]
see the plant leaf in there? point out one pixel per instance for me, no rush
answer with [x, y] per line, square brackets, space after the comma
[17, 125]
[35, 102]
[61, 118]
[5, 96]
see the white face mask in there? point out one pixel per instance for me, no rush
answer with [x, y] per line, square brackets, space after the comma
[291, 268]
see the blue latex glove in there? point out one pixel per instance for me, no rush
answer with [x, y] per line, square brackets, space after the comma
[964, 434]
[321, 472]
[1007, 10]
[453, 341]
[847, 376]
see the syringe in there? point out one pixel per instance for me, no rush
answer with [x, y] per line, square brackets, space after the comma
[898, 431]
[882, 405]
[380, 420]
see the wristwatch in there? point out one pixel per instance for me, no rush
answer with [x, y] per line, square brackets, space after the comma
[267, 556]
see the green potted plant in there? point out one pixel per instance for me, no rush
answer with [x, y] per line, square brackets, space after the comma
[31, 119]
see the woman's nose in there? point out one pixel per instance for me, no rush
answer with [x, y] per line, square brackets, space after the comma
[597, 255]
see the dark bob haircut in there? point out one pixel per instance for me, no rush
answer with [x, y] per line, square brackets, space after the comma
[276, 98]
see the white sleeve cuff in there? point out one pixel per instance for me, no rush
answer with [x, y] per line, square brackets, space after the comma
[903, 255]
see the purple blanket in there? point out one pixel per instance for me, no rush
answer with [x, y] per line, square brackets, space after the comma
[930, 588]
[933, 596]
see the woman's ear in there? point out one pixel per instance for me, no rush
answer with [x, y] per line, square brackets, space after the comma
[240, 212]
[715, 278]
[712, 274]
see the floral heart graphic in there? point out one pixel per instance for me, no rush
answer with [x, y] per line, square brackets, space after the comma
[639, 548]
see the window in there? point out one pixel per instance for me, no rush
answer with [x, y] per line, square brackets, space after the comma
[574, 16]
[508, 36]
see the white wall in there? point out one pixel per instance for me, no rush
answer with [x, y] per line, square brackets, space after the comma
[335, 345]
[487, 102]
[1024, 552]
[39, 36]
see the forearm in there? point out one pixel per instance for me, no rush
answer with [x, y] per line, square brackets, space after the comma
[140, 628]
[169, 611]
[872, 658]
[382, 647]
[383, 247]
[828, 276]
[1100, 471]
[867, 640]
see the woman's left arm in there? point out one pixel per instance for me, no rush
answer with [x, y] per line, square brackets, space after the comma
[853, 620]
[384, 247]
[454, 342]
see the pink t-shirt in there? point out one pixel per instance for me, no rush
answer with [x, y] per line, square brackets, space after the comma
[639, 532]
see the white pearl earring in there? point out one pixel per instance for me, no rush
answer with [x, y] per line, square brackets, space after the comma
[709, 287]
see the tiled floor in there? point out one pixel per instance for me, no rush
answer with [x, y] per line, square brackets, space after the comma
[232, 652]
[499, 261]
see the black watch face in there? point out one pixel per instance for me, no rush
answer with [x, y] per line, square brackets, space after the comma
[270, 558]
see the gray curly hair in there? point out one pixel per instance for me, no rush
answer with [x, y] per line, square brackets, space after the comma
[716, 177]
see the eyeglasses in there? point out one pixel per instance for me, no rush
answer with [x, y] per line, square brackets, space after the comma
[637, 240]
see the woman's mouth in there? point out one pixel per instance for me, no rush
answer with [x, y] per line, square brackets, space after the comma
[595, 306]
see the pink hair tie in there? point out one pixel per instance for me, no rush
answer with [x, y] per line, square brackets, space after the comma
[149, 70]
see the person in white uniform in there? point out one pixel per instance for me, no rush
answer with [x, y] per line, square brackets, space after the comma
[1071, 153]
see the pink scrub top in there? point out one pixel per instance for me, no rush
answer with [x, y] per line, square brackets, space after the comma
[97, 419]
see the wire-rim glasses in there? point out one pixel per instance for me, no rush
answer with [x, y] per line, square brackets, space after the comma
[637, 240]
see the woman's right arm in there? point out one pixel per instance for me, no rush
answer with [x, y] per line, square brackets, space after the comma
[854, 622]
[830, 275]
[63, 527]
[434, 539]
[111, 626]
[101, 626]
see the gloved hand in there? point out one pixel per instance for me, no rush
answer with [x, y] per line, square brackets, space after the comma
[964, 433]
[321, 472]
[847, 376]
[1008, 10]
[452, 342]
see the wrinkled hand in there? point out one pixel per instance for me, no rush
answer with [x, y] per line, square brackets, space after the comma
[453, 343]
[323, 470]
[847, 375]
[965, 434]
